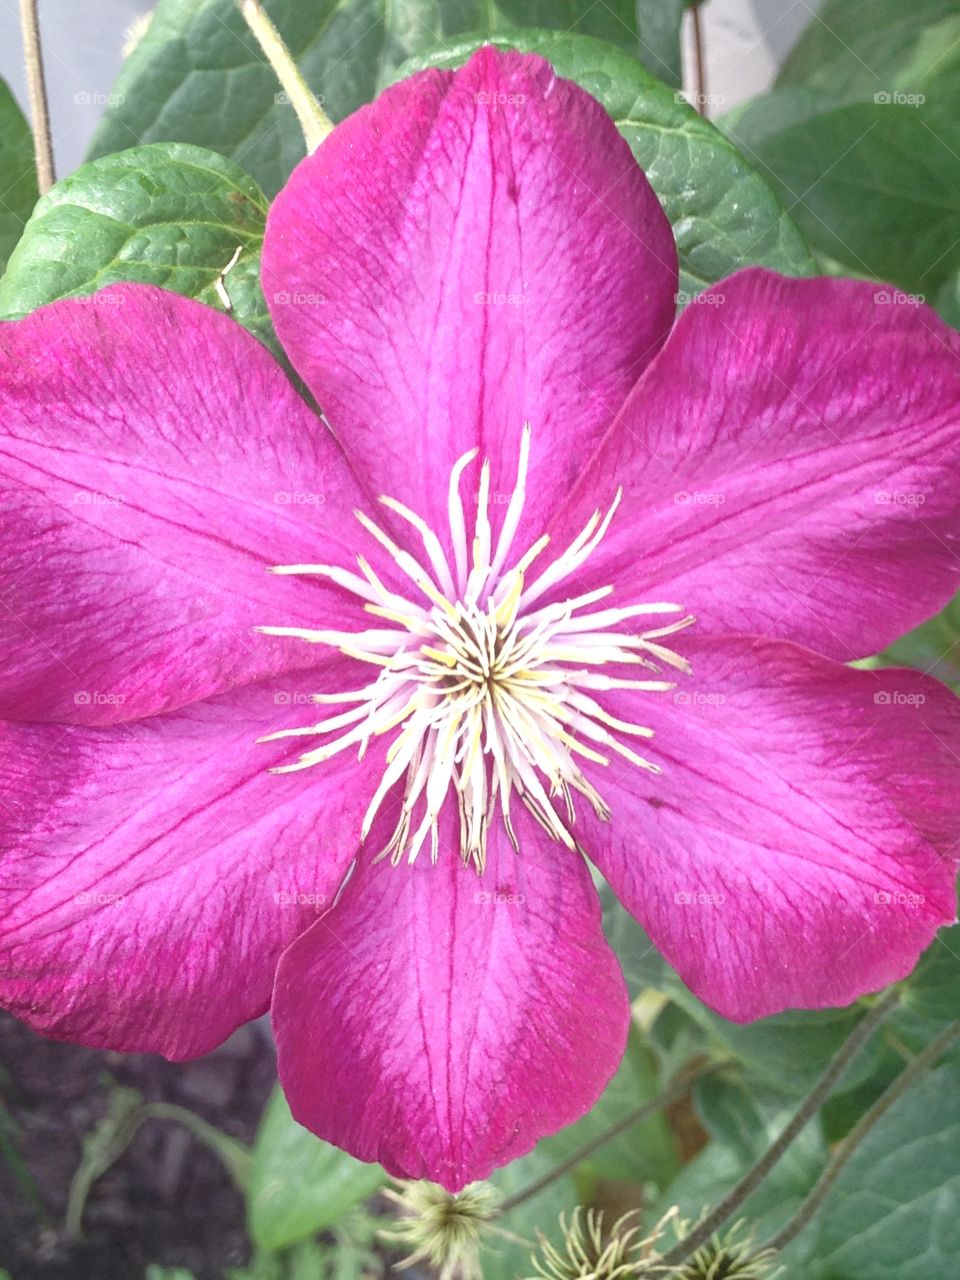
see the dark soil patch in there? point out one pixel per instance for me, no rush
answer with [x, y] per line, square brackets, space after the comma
[168, 1200]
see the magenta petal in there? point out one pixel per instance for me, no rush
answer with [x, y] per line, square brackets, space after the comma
[153, 873]
[154, 462]
[799, 847]
[474, 250]
[439, 1022]
[789, 465]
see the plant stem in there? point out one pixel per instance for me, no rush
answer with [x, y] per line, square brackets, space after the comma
[37, 91]
[314, 121]
[855, 1137]
[808, 1108]
[699, 58]
[670, 1094]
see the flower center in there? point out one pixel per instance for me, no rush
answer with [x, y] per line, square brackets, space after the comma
[491, 694]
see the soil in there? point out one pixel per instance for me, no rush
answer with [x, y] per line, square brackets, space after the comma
[168, 1199]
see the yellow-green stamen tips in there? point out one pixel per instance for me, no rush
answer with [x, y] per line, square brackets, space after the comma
[495, 694]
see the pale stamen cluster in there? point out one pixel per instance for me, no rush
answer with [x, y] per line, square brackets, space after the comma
[490, 693]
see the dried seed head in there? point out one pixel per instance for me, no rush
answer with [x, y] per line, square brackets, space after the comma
[587, 1252]
[727, 1256]
[444, 1230]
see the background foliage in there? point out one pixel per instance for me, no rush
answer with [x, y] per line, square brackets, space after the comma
[850, 164]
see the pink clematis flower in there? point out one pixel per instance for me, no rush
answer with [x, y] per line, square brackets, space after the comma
[565, 578]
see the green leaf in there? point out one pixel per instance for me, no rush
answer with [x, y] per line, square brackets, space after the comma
[933, 648]
[893, 1212]
[876, 187]
[930, 998]
[643, 966]
[854, 49]
[18, 181]
[770, 114]
[198, 75]
[165, 214]
[724, 215]
[948, 301]
[742, 1121]
[660, 51]
[788, 1051]
[299, 1184]
[102, 1147]
[641, 1153]
[745, 1118]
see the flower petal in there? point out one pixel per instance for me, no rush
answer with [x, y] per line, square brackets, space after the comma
[789, 465]
[799, 847]
[475, 250]
[440, 1023]
[154, 462]
[153, 873]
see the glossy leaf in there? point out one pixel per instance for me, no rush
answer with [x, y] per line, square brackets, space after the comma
[18, 182]
[170, 215]
[724, 215]
[198, 75]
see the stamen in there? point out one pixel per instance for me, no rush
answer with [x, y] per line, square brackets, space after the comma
[486, 694]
